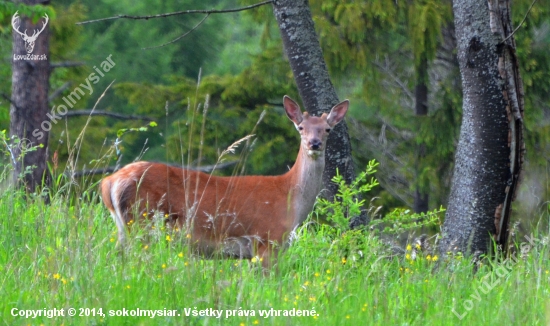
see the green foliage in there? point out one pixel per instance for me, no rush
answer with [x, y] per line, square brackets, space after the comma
[123, 131]
[347, 30]
[197, 130]
[401, 220]
[9, 8]
[63, 256]
[13, 150]
[348, 202]
[426, 19]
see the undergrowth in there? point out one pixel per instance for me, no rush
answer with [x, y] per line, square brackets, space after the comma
[59, 256]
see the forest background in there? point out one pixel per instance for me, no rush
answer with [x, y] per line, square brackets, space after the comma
[387, 57]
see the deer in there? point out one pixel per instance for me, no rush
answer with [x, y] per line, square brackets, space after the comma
[237, 216]
[29, 40]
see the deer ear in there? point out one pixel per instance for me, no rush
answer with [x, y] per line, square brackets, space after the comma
[293, 110]
[337, 113]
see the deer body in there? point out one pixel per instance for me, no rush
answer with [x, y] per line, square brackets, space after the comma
[239, 216]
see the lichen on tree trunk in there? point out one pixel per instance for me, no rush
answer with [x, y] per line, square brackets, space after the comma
[490, 149]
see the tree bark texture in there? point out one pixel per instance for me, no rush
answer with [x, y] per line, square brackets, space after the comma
[421, 196]
[490, 149]
[29, 106]
[316, 90]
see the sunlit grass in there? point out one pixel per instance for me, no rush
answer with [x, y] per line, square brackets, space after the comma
[60, 256]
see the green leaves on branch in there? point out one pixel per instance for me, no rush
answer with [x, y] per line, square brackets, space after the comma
[8, 9]
[121, 132]
[347, 201]
[426, 19]
[400, 220]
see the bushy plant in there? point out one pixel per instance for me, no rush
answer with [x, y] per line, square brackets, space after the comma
[349, 201]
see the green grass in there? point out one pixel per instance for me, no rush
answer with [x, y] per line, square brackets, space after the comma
[65, 256]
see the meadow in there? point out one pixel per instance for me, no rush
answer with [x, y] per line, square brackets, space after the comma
[64, 255]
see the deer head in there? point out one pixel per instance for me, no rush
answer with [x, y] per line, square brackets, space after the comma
[29, 40]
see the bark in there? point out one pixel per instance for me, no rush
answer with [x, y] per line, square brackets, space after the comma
[318, 95]
[490, 149]
[29, 107]
[421, 198]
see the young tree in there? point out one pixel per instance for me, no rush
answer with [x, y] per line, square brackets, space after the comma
[29, 100]
[490, 149]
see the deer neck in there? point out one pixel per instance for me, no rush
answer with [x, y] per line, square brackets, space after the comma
[306, 178]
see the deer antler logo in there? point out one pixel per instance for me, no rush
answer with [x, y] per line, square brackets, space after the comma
[29, 40]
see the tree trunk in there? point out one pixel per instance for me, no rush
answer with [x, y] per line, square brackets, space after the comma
[316, 90]
[490, 149]
[421, 198]
[29, 107]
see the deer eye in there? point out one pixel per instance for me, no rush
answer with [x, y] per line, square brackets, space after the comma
[300, 128]
[328, 130]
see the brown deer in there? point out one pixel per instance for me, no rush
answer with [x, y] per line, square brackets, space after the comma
[239, 216]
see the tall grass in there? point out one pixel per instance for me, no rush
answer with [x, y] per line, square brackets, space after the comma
[56, 256]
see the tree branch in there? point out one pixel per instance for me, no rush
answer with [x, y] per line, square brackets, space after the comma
[66, 64]
[179, 37]
[183, 12]
[121, 116]
[386, 69]
[520, 24]
[58, 91]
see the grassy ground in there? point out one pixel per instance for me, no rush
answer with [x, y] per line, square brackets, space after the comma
[64, 256]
